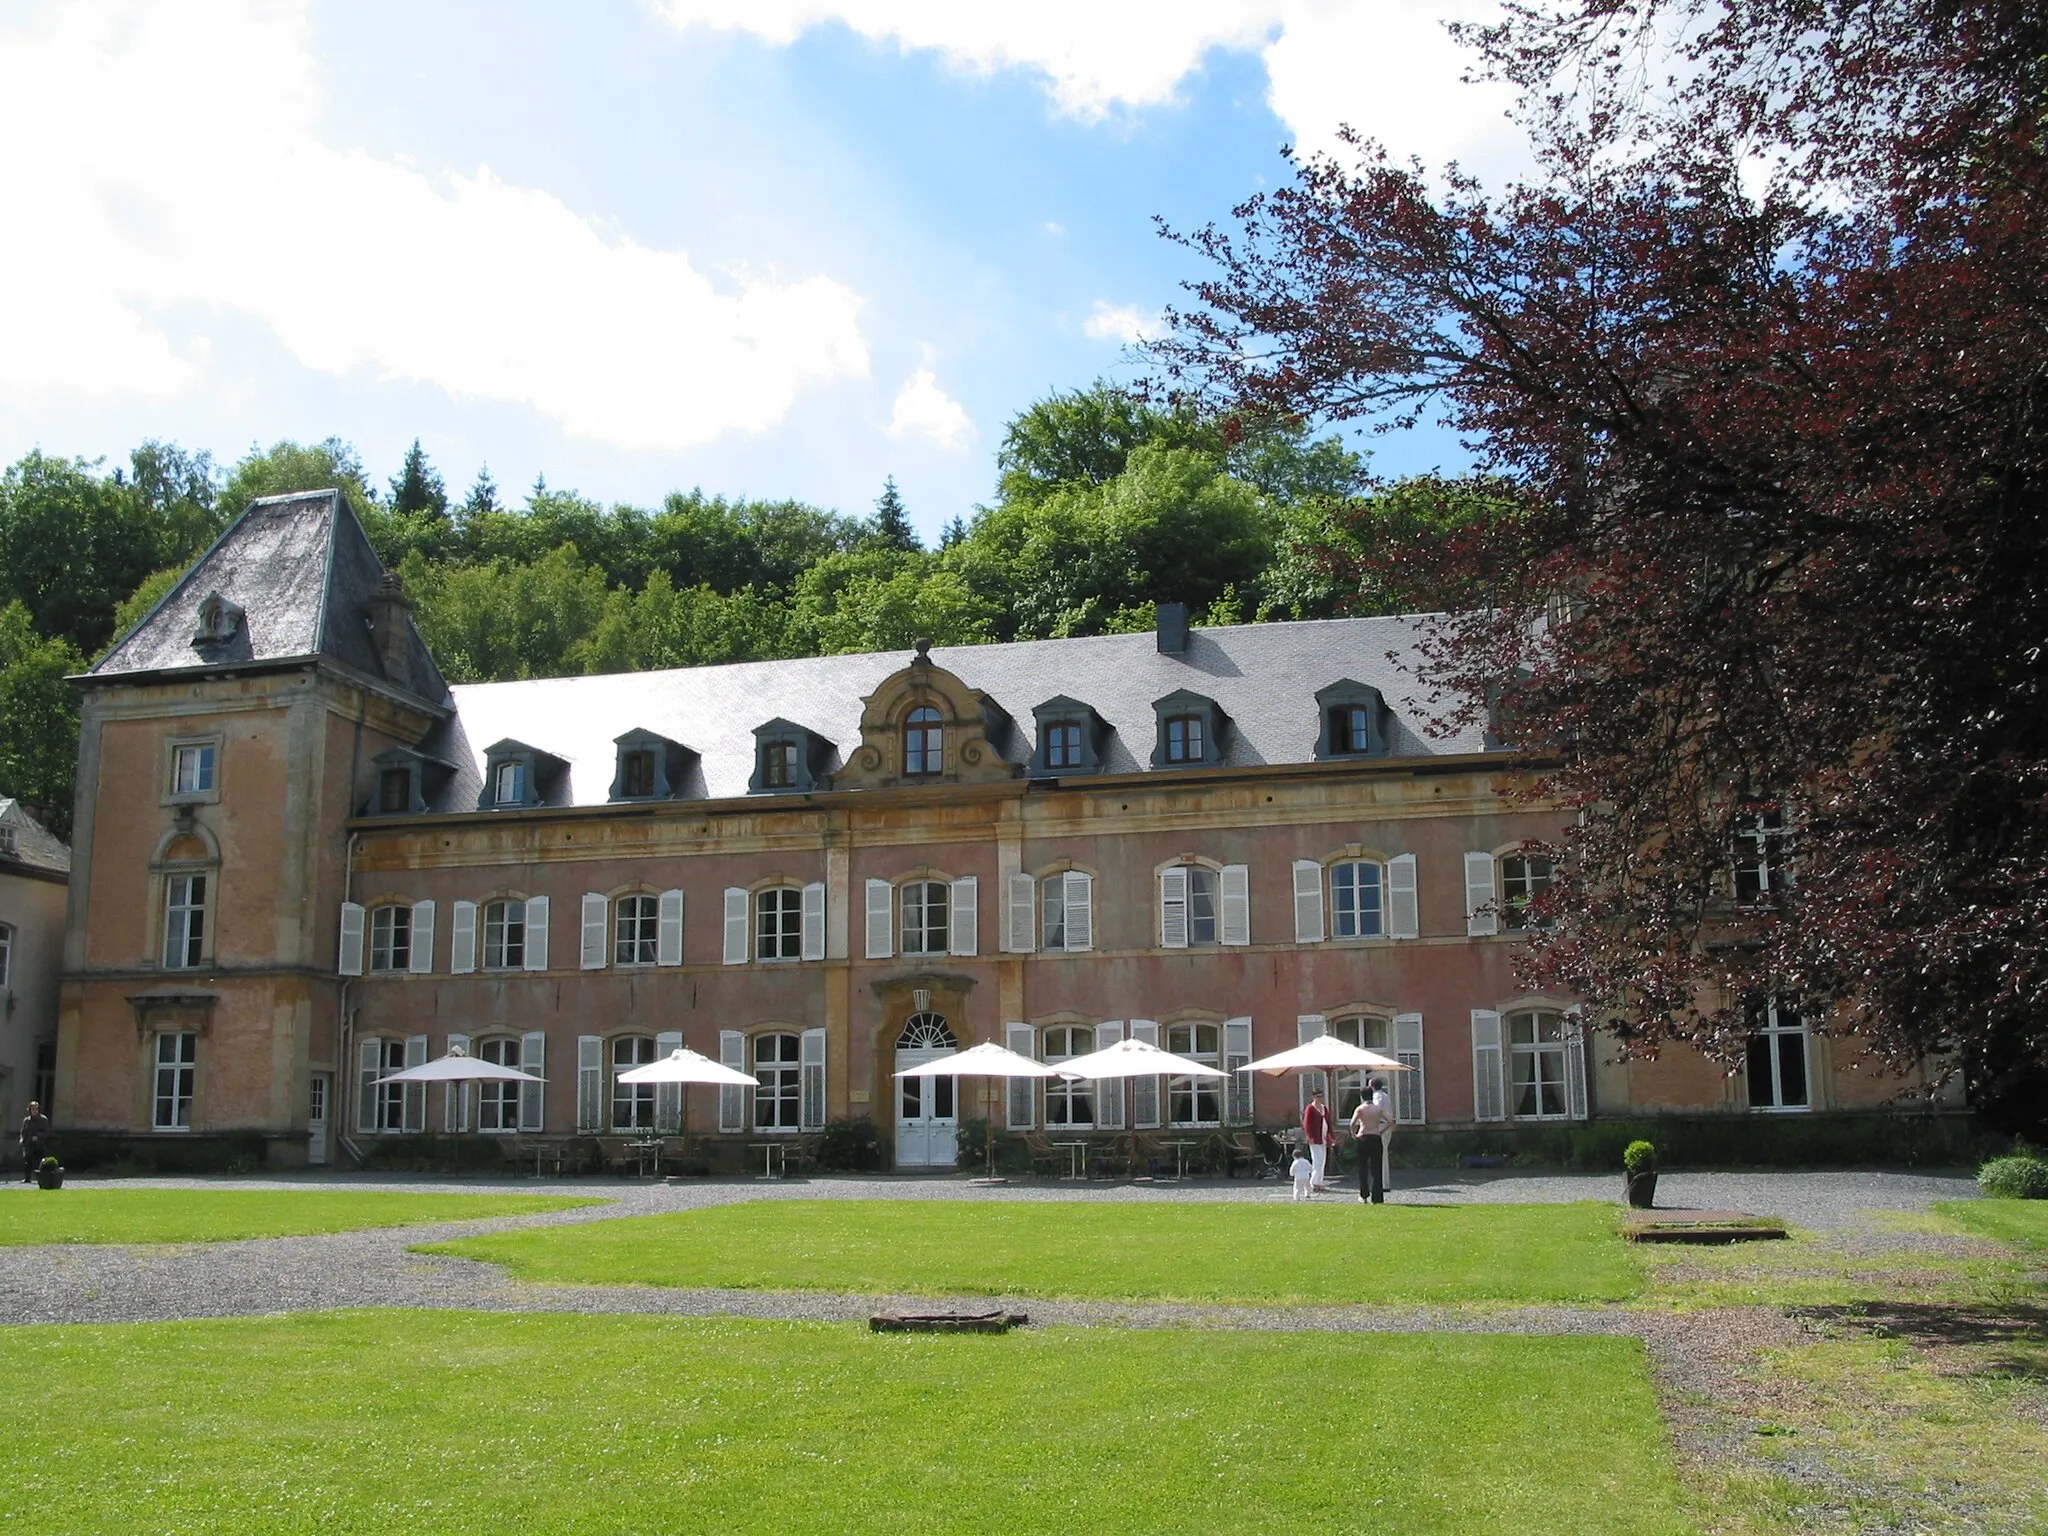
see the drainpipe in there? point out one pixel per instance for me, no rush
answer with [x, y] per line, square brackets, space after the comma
[344, 1032]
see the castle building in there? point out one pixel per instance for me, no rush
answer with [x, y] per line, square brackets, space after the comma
[302, 860]
[34, 865]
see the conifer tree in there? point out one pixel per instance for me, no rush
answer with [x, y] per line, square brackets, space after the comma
[483, 495]
[416, 490]
[890, 527]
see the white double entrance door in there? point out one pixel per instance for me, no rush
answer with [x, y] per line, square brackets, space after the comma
[927, 1114]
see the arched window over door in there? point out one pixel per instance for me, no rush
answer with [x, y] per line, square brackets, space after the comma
[926, 1032]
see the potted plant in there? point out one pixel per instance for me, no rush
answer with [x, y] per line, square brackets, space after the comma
[1639, 1162]
[50, 1174]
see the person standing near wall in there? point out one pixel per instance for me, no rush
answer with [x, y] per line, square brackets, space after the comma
[1316, 1128]
[1372, 1126]
[35, 1136]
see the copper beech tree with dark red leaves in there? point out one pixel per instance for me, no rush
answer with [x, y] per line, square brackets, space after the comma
[1763, 353]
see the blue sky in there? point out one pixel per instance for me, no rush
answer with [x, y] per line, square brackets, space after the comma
[782, 247]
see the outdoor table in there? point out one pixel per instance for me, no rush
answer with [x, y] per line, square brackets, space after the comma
[648, 1151]
[1180, 1157]
[1076, 1152]
[542, 1151]
[772, 1153]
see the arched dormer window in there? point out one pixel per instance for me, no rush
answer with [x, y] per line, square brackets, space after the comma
[1355, 722]
[924, 743]
[1191, 730]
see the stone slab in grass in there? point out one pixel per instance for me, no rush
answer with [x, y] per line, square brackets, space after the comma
[1683, 1226]
[1279, 1252]
[145, 1215]
[463, 1422]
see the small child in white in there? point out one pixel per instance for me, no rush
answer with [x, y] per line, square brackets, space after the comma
[1303, 1170]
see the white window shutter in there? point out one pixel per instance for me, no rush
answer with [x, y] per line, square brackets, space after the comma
[596, 907]
[1145, 1091]
[533, 1057]
[590, 1083]
[1308, 902]
[732, 1102]
[1403, 914]
[735, 951]
[462, 939]
[1480, 914]
[455, 1096]
[814, 921]
[1109, 1093]
[351, 962]
[1237, 904]
[1307, 1027]
[1080, 894]
[1410, 1102]
[1575, 1064]
[880, 937]
[668, 1097]
[369, 1069]
[415, 1093]
[811, 1080]
[1173, 908]
[536, 933]
[1020, 927]
[966, 924]
[1022, 1108]
[1489, 1086]
[423, 937]
[668, 929]
[1237, 1053]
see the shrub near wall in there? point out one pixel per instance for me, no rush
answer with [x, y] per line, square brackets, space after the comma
[234, 1152]
[1714, 1141]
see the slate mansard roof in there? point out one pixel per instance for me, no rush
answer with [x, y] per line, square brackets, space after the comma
[35, 846]
[1264, 678]
[302, 575]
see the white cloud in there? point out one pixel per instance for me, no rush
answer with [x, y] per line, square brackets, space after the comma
[1121, 322]
[1384, 66]
[925, 410]
[171, 155]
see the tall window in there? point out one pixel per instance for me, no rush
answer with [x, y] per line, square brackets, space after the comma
[1350, 728]
[1523, 878]
[511, 783]
[184, 921]
[46, 1073]
[1369, 1033]
[924, 917]
[1063, 745]
[779, 924]
[6, 954]
[634, 930]
[1053, 909]
[1195, 1100]
[177, 1056]
[391, 938]
[1537, 1042]
[387, 1100]
[394, 791]
[777, 1104]
[632, 1103]
[1184, 739]
[192, 769]
[1069, 1105]
[1201, 905]
[1357, 901]
[924, 741]
[1778, 1077]
[638, 775]
[499, 1109]
[1762, 862]
[778, 764]
[504, 935]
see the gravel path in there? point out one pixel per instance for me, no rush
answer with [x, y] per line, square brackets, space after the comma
[94, 1283]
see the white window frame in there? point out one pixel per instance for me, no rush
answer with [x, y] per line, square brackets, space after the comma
[1379, 876]
[1761, 845]
[778, 936]
[171, 1111]
[931, 938]
[1190, 1091]
[639, 1097]
[390, 951]
[498, 945]
[204, 753]
[185, 925]
[509, 774]
[781, 1092]
[1537, 1052]
[1772, 1029]
[1066, 1093]
[1518, 891]
[6, 952]
[498, 1104]
[644, 934]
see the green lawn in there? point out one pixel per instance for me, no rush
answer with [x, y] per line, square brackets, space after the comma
[1277, 1252]
[2021, 1224]
[433, 1422]
[218, 1215]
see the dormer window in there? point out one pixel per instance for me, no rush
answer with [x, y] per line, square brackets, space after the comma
[1070, 737]
[1350, 729]
[924, 743]
[1063, 745]
[1191, 730]
[9, 848]
[788, 759]
[778, 764]
[517, 775]
[509, 785]
[394, 791]
[217, 620]
[636, 775]
[650, 767]
[403, 780]
[1355, 721]
[1184, 739]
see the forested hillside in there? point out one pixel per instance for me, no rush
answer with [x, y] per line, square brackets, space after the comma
[1103, 506]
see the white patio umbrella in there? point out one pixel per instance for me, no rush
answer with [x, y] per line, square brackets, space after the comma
[683, 1065]
[1326, 1053]
[458, 1066]
[1136, 1058]
[986, 1060]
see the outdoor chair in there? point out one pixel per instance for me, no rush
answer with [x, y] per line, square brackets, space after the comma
[800, 1156]
[617, 1154]
[1043, 1154]
[1241, 1151]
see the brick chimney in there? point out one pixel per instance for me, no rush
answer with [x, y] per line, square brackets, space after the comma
[389, 610]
